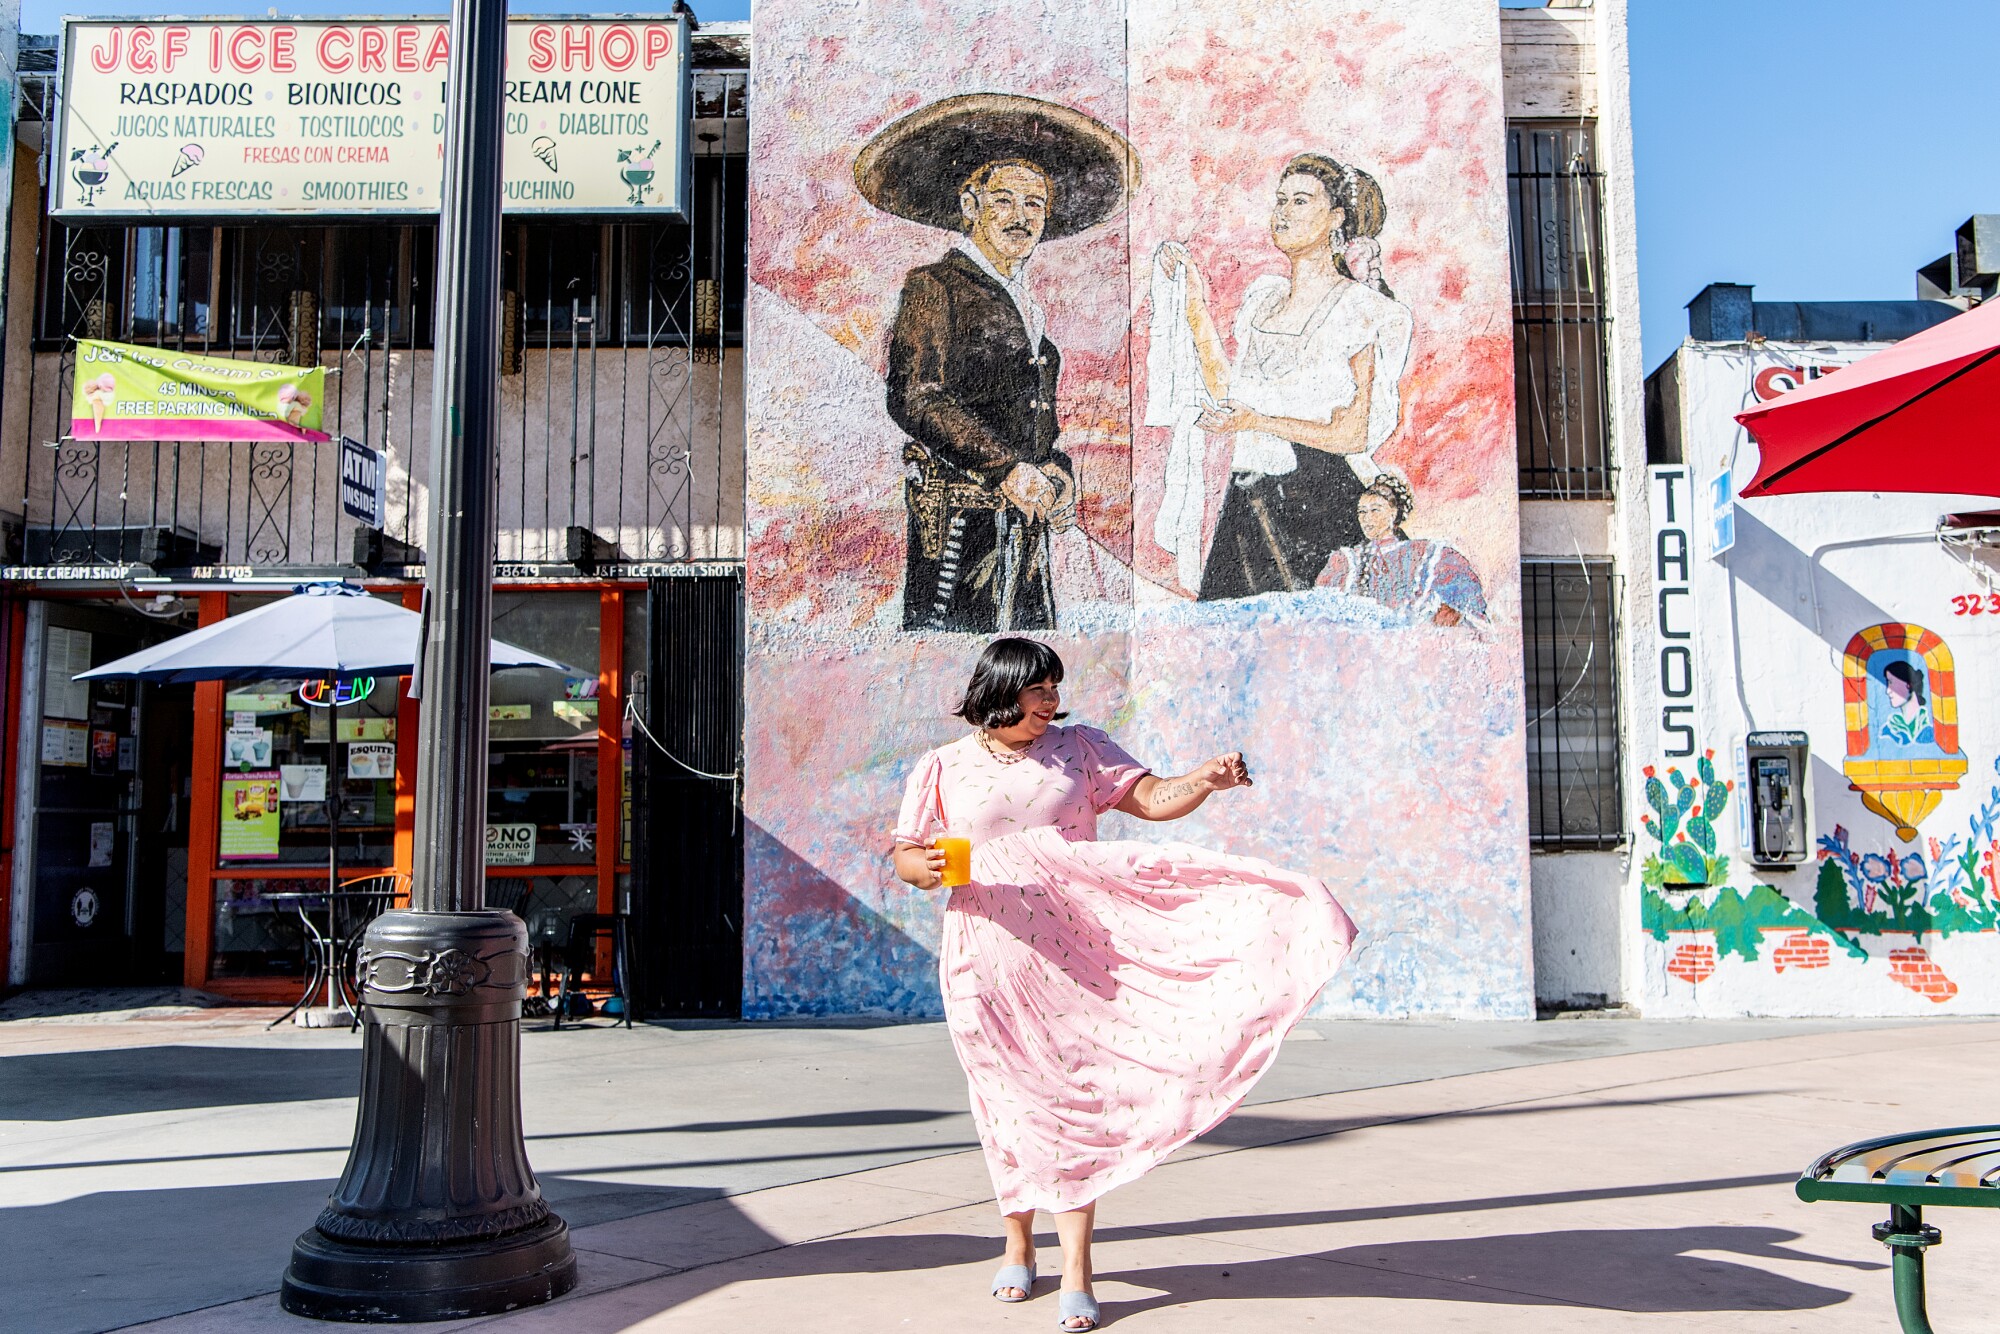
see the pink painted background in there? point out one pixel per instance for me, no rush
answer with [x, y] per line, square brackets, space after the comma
[1389, 759]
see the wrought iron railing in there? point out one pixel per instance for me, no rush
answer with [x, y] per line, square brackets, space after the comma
[621, 436]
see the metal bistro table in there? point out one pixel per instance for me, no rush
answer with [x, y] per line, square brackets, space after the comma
[332, 943]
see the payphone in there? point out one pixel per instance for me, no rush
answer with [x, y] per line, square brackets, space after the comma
[1774, 808]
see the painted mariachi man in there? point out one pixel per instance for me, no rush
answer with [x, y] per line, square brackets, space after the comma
[972, 374]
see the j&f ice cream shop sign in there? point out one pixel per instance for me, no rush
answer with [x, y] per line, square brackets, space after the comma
[346, 118]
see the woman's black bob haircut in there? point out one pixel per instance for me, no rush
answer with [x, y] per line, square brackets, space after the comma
[1006, 668]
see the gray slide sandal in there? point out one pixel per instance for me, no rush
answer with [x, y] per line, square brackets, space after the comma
[1015, 1276]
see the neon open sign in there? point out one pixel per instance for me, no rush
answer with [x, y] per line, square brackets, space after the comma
[320, 694]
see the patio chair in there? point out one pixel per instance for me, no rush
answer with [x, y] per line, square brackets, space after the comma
[580, 956]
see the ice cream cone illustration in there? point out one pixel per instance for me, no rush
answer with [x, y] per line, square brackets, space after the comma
[190, 156]
[100, 393]
[544, 150]
[293, 403]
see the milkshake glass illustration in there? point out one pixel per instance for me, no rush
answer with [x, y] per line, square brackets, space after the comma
[638, 170]
[92, 170]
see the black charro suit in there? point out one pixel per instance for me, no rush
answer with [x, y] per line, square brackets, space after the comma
[976, 400]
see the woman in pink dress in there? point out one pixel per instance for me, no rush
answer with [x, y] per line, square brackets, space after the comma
[1109, 1001]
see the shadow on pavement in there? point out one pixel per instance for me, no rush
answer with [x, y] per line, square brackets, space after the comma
[1653, 1270]
[116, 1258]
[105, 1260]
[72, 1085]
[1254, 1127]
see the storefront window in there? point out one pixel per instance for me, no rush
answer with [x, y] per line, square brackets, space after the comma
[282, 769]
[541, 786]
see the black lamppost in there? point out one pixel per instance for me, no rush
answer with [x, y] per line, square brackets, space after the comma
[438, 1214]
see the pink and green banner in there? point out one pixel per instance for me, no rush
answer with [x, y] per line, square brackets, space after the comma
[125, 392]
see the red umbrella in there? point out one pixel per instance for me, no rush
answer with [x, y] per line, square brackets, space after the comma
[1923, 415]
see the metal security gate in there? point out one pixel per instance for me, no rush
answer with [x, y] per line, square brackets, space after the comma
[687, 892]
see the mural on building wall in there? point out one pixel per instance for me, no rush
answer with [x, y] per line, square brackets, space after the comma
[1901, 703]
[972, 376]
[1948, 887]
[1176, 336]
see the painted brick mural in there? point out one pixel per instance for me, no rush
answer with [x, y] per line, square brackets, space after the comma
[1177, 336]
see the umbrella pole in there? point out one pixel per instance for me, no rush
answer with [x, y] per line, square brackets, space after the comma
[438, 1215]
[334, 991]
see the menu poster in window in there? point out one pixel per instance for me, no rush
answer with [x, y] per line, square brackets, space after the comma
[302, 782]
[248, 750]
[102, 841]
[103, 753]
[371, 761]
[65, 744]
[367, 729]
[250, 815]
[65, 653]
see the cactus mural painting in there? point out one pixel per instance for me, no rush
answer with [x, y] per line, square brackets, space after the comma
[1684, 816]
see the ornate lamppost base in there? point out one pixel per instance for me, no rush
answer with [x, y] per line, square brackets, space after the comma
[379, 1285]
[338, 1280]
[438, 1215]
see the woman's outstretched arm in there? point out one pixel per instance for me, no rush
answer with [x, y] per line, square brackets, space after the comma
[1154, 798]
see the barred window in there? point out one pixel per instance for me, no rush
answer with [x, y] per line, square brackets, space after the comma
[1569, 639]
[1563, 421]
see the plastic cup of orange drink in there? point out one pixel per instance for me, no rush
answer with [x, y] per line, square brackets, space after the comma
[957, 860]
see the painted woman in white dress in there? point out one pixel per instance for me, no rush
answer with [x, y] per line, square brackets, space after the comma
[1313, 388]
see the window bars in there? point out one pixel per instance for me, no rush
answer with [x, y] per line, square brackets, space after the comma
[1562, 414]
[1569, 637]
[621, 421]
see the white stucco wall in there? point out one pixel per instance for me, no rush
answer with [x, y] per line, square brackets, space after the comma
[1772, 621]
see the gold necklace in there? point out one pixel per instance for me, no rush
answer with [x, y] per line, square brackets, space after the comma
[1001, 754]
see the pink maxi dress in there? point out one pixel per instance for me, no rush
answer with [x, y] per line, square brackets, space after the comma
[1109, 1001]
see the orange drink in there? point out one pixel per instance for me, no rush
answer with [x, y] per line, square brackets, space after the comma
[957, 860]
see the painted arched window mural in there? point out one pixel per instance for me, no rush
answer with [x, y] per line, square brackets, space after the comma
[1902, 723]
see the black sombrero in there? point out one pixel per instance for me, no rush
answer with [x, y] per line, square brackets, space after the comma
[914, 167]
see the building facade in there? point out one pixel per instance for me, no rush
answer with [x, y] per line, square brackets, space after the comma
[1480, 160]
[620, 501]
[1817, 779]
[1483, 816]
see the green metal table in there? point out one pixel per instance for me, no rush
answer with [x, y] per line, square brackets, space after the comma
[1958, 1168]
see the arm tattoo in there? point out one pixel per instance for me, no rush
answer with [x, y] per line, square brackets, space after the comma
[1172, 792]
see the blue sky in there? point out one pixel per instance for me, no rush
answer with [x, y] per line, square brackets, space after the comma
[1822, 151]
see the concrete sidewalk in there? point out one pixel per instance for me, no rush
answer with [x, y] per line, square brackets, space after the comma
[1577, 1175]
